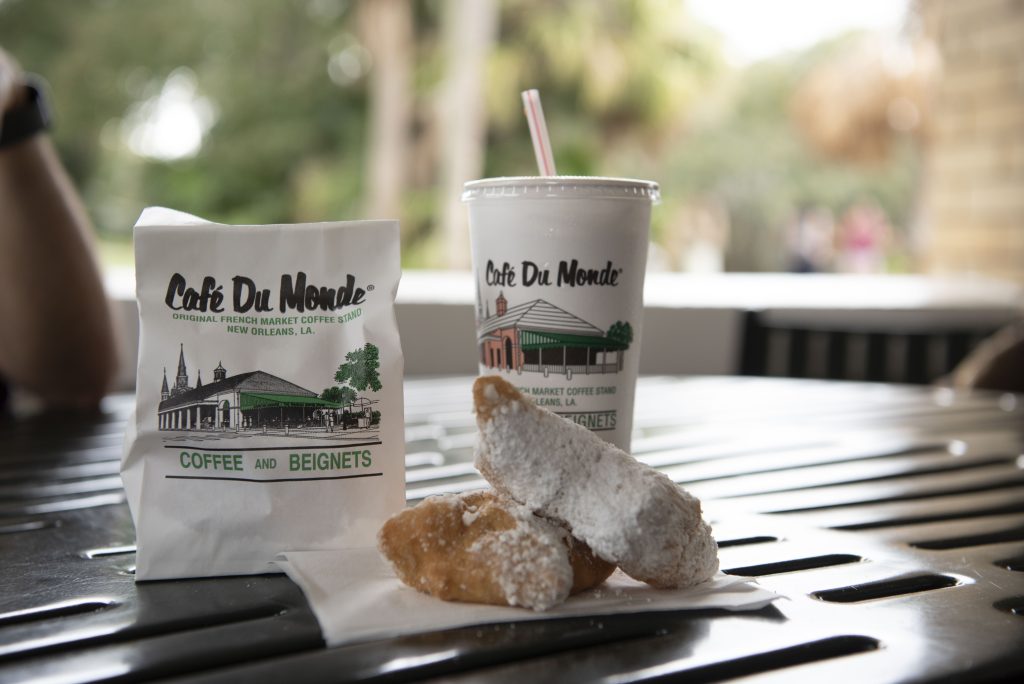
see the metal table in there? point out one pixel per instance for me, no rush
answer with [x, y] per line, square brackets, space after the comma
[891, 517]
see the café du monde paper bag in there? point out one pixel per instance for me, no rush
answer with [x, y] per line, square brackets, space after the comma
[269, 411]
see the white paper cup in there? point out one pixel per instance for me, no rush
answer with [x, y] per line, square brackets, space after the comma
[559, 266]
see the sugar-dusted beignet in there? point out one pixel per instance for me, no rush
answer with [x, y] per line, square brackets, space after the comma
[483, 548]
[627, 512]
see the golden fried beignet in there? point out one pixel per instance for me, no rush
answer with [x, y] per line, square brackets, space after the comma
[479, 547]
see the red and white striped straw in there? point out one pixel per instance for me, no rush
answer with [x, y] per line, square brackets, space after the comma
[539, 133]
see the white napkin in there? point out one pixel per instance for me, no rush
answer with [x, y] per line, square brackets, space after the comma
[356, 596]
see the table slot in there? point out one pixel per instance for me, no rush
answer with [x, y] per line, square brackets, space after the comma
[794, 565]
[886, 588]
[1003, 536]
[744, 541]
[31, 472]
[779, 479]
[1005, 509]
[109, 551]
[990, 486]
[424, 459]
[62, 505]
[56, 610]
[15, 527]
[80, 632]
[802, 654]
[1013, 605]
[53, 489]
[1016, 564]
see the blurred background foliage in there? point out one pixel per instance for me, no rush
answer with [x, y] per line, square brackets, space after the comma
[264, 111]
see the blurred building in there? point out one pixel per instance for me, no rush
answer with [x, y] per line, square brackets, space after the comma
[974, 182]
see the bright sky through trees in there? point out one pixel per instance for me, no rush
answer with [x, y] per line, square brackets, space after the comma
[757, 30]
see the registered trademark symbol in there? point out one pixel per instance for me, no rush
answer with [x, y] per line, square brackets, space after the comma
[369, 288]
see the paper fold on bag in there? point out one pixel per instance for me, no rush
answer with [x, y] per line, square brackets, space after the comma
[356, 596]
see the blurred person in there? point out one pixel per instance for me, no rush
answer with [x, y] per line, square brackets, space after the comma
[56, 332]
[811, 239]
[862, 239]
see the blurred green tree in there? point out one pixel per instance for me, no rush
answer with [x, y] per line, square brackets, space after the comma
[283, 116]
[330, 109]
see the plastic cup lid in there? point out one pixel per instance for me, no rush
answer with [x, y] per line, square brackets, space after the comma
[560, 187]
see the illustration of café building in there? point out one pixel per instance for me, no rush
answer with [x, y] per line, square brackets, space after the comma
[252, 400]
[539, 337]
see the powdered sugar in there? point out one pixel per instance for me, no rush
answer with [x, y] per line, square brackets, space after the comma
[530, 563]
[479, 546]
[628, 513]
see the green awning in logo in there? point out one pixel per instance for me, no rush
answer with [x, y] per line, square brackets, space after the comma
[532, 339]
[254, 400]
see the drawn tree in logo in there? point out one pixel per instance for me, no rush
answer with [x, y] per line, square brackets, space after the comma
[339, 395]
[621, 332]
[361, 369]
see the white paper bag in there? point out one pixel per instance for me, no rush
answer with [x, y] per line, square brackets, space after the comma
[269, 409]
